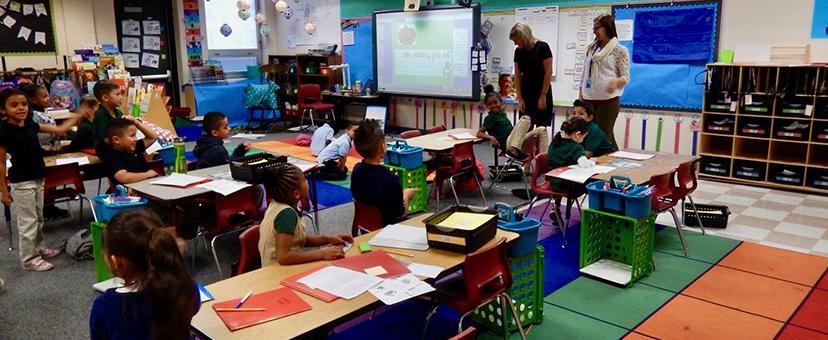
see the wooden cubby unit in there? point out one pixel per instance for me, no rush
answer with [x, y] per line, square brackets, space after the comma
[788, 152]
[751, 148]
[818, 156]
[717, 145]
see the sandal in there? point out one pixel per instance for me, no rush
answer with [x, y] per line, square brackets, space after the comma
[49, 252]
[39, 265]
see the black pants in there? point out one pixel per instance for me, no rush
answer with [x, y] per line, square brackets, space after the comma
[332, 172]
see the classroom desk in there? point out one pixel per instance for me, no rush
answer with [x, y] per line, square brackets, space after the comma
[61, 114]
[52, 160]
[663, 162]
[441, 141]
[322, 316]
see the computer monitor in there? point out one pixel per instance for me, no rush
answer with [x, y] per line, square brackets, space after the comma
[378, 113]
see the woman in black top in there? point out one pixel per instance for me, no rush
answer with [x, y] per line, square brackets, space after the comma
[533, 75]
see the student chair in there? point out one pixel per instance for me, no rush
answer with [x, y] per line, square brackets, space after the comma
[665, 199]
[686, 183]
[367, 218]
[56, 186]
[307, 210]
[544, 191]
[467, 334]
[310, 101]
[411, 134]
[249, 259]
[512, 162]
[462, 162]
[486, 277]
[234, 212]
[438, 128]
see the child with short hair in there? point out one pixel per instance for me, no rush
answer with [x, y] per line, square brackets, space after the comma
[159, 297]
[371, 182]
[321, 138]
[209, 150]
[123, 155]
[566, 150]
[18, 138]
[83, 137]
[498, 129]
[110, 96]
[38, 97]
[282, 237]
[595, 143]
[334, 156]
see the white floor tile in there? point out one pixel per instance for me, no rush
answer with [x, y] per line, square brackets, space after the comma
[821, 246]
[799, 229]
[743, 231]
[716, 188]
[751, 188]
[666, 219]
[785, 246]
[818, 198]
[784, 199]
[737, 200]
[765, 213]
[811, 211]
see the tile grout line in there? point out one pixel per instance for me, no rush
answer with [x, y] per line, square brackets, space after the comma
[588, 316]
[733, 308]
[765, 275]
[801, 303]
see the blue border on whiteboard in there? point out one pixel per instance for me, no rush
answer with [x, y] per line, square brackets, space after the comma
[666, 86]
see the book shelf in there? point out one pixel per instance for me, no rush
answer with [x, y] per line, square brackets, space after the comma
[766, 125]
[308, 69]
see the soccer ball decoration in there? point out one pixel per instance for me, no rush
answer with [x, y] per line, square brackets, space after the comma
[244, 15]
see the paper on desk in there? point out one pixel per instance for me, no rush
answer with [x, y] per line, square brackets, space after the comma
[631, 155]
[80, 160]
[462, 135]
[401, 236]
[153, 148]
[223, 186]
[204, 293]
[180, 180]
[575, 173]
[425, 270]
[139, 135]
[392, 291]
[341, 282]
[222, 175]
[248, 135]
[464, 220]
[302, 164]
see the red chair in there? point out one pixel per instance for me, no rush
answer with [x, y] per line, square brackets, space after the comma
[468, 334]
[367, 218]
[249, 259]
[307, 209]
[544, 190]
[233, 213]
[486, 276]
[665, 199]
[56, 186]
[310, 101]
[462, 162]
[686, 184]
[411, 134]
[438, 128]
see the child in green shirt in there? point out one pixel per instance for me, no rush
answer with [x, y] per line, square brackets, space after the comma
[110, 96]
[496, 127]
[566, 150]
[596, 142]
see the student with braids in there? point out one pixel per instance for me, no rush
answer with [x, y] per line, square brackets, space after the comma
[282, 237]
[159, 298]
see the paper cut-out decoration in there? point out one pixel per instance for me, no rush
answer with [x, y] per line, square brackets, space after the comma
[288, 13]
[281, 6]
[260, 18]
[226, 30]
[310, 28]
[244, 14]
[265, 30]
[28, 9]
[40, 38]
[9, 21]
[243, 5]
[40, 9]
[24, 33]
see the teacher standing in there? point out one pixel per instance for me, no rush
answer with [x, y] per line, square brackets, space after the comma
[606, 72]
[533, 75]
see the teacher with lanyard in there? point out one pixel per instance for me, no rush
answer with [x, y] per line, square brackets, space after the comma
[606, 72]
[533, 75]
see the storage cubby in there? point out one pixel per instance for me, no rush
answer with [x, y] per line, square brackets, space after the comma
[796, 91]
[753, 127]
[818, 155]
[818, 178]
[786, 174]
[758, 88]
[792, 129]
[821, 108]
[720, 124]
[751, 148]
[717, 145]
[788, 152]
[820, 132]
[722, 88]
[751, 170]
[717, 166]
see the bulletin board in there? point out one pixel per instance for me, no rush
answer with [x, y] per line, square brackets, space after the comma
[27, 27]
[359, 54]
[673, 84]
[143, 38]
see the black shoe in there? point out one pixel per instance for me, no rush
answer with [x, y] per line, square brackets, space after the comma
[520, 155]
[554, 218]
[52, 212]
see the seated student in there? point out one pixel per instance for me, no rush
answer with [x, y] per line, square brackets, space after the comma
[123, 155]
[334, 156]
[498, 129]
[566, 150]
[159, 299]
[371, 182]
[83, 137]
[321, 138]
[596, 142]
[209, 150]
[38, 97]
[109, 95]
[282, 237]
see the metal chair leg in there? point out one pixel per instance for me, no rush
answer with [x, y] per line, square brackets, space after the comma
[454, 190]
[428, 320]
[313, 224]
[215, 256]
[480, 187]
[531, 204]
[515, 314]
[561, 224]
[460, 322]
[698, 216]
[680, 230]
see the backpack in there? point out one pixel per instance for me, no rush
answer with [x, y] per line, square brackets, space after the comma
[64, 95]
[79, 245]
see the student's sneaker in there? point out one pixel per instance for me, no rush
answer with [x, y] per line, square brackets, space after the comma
[553, 217]
[49, 252]
[39, 265]
[517, 154]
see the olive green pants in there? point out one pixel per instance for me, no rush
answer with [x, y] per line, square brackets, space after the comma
[605, 116]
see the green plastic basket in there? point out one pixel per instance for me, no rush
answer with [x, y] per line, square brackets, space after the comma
[622, 239]
[526, 293]
[411, 179]
[102, 272]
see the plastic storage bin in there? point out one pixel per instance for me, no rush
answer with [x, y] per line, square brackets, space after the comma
[250, 168]
[167, 154]
[410, 179]
[462, 240]
[102, 272]
[526, 227]
[712, 216]
[616, 245]
[526, 293]
[105, 211]
[715, 166]
[797, 130]
[402, 155]
[786, 174]
[749, 170]
[634, 203]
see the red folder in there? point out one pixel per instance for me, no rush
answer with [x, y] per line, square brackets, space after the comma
[278, 302]
[292, 282]
[373, 259]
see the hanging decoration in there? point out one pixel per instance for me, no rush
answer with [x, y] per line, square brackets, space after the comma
[288, 13]
[465, 123]
[659, 129]
[226, 30]
[27, 28]
[454, 106]
[628, 116]
[425, 112]
[264, 30]
[677, 118]
[244, 9]
[281, 6]
[444, 106]
[260, 18]
[695, 126]
[644, 118]
[310, 28]
[480, 110]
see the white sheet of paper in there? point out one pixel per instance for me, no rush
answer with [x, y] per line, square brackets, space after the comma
[139, 135]
[344, 283]
[9, 21]
[152, 43]
[462, 135]
[248, 135]
[632, 155]
[178, 180]
[153, 148]
[131, 60]
[8, 164]
[348, 38]
[28, 9]
[425, 270]
[131, 44]
[24, 33]
[223, 186]
[150, 60]
[152, 27]
[401, 236]
[624, 29]
[581, 175]
[302, 164]
[392, 291]
[40, 9]
[80, 160]
[130, 27]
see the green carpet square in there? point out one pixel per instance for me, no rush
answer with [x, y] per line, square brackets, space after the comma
[674, 273]
[625, 307]
[707, 248]
[559, 323]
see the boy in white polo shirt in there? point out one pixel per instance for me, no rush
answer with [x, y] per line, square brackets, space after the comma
[334, 156]
[323, 136]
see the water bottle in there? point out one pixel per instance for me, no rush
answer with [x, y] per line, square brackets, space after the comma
[180, 164]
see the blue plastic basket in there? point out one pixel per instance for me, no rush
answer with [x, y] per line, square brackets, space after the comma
[632, 203]
[167, 154]
[189, 133]
[526, 227]
[402, 155]
[106, 211]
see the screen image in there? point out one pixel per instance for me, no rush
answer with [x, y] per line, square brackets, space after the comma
[426, 53]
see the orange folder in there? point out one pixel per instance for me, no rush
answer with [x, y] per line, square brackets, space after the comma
[292, 282]
[278, 303]
[373, 259]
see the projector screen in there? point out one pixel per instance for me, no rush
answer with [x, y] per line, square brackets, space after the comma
[428, 52]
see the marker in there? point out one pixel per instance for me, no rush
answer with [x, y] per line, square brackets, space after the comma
[241, 309]
[244, 299]
[397, 253]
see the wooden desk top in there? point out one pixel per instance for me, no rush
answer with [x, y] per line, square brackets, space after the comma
[51, 160]
[208, 323]
[61, 114]
[441, 141]
[663, 162]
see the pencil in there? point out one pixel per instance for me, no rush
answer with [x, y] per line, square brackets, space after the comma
[398, 253]
[241, 309]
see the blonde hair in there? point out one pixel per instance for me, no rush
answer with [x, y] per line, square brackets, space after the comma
[522, 32]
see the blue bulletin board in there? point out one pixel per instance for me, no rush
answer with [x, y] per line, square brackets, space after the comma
[360, 55]
[660, 78]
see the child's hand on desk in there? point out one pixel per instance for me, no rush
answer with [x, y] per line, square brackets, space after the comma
[340, 239]
[332, 253]
[152, 173]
